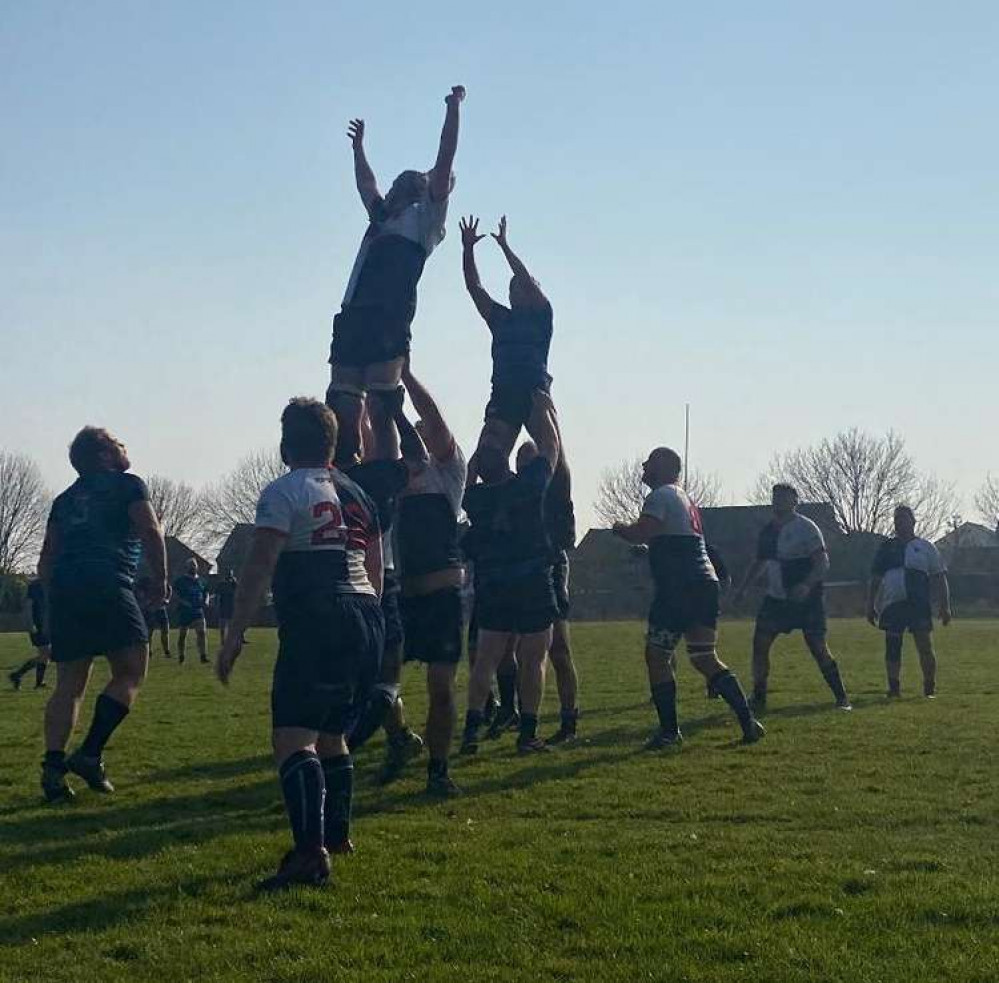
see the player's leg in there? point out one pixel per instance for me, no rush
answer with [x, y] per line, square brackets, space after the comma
[61, 714]
[660, 663]
[506, 717]
[894, 641]
[442, 719]
[223, 625]
[567, 681]
[763, 641]
[43, 653]
[182, 643]
[345, 396]
[338, 774]
[819, 649]
[21, 671]
[923, 638]
[532, 648]
[164, 627]
[702, 651]
[492, 646]
[201, 636]
[128, 670]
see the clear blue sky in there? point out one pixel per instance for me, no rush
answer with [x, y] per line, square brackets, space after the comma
[785, 213]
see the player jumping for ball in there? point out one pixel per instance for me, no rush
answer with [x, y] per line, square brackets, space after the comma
[371, 334]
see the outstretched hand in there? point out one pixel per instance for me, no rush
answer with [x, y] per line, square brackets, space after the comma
[470, 231]
[500, 235]
[355, 130]
[456, 95]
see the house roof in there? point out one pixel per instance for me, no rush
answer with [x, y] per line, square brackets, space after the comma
[235, 548]
[970, 535]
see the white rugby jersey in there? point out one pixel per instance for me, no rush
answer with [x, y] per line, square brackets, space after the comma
[905, 569]
[329, 522]
[787, 551]
[679, 554]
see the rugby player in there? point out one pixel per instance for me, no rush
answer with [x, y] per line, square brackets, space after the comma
[792, 552]
[157, 618]
[513, 573]
[560, 527]
[96, 531]
[685, 602]
[908, 574]
[430, 561]
[522, 335]
[225, 598]
[192, 595]
[316, 539]
[35, 616]
[371, 334]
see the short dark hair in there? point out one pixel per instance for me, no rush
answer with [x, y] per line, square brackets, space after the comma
[906, 510]
[86, 449]
[308, 430]
[784, 488]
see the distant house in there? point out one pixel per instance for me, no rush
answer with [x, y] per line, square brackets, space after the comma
[610, 579]
[968, 535]
[178, 553]
[235, 549]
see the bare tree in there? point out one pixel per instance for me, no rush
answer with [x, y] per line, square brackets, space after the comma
[621, 493]
[233, 499]
[24, 507]
[987, 501]
[181, 510]
[863, 477]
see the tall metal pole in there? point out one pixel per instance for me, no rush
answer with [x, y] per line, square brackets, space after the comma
[686, 445]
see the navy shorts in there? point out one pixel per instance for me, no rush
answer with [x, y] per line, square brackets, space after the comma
[186, 617]
[778, 616]
[390, 611]
[523, 606]
[684, 606]
[903, 616]
[329, 659]
[97, 621]
[158, 620]
[512, 402]
[369, 335]
[433, 624]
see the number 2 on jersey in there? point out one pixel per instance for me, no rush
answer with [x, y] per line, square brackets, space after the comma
[329, 532]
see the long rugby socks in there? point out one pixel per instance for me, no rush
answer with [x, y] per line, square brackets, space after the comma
[23, 670]
[304, 790]
[893, 663]
[40, 668]
[727, 687]
[568, 719]
[664, 698]
[528, 727]
[108, 714]
[473, 721]
[339, 775]
[830, 673]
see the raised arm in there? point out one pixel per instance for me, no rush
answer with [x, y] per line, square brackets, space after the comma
[440, 175]
[367, 183]
[436, 434]
[532, 291]
[414, 451]
[469, 237]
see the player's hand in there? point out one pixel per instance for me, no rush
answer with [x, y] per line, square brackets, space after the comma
[227, 656]
[456, 96]
[159, 595]
[872, 617]
[470, 231]
[355, 130]
[798, 593]
[500, 234]
[945, 615]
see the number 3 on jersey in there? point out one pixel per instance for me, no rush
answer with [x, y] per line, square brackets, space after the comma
[329, 532]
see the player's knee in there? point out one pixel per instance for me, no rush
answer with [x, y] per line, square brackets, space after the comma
[704, 658]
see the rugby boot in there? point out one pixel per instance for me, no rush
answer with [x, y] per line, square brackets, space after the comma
[308, 867]
[91, 770]
[664, 740]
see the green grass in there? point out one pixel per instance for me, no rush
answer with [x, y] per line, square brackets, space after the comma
[853, 847]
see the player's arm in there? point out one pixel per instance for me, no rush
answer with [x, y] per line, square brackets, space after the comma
[438, 438]
[254, 579]
[374, 563]
[750, 577]
[535, 296]
[820, 567]
[873, 589]
[147, 527]
[940, 586]
[50, 547]
[543, 428]
[440, 174]
[469, 237]
[640, 532]
[367, 183]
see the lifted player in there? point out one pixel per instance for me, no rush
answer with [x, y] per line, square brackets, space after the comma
[685, 604]
[317, 540]
[513, 574]
[96, 531]
[192, 596]
[522, 336]
[907, 575]
[371, 334]
[35, 616]
[792, 551]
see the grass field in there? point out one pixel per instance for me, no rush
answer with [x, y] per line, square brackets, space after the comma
[854, 847]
